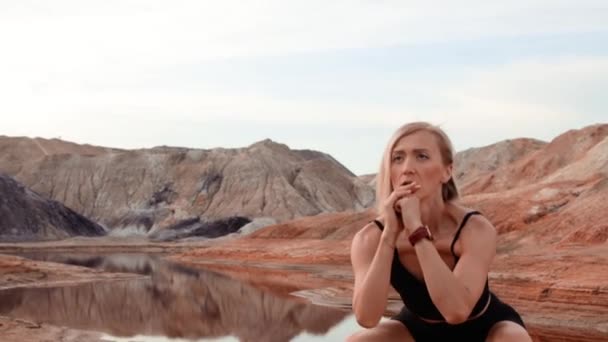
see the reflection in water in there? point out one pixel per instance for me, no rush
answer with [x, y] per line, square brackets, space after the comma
[338, 332]
[174, 301]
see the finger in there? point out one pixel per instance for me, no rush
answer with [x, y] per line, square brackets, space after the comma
[397, 206]
[396, 203]
[411, 186]
[408, 186]
[398, 194]
[405, 191]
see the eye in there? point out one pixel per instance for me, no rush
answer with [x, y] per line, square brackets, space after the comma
[397, 158]
[423, 156]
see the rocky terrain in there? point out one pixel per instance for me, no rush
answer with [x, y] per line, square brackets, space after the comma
[25, 215]
[194, 227]
[547, 200]
[19, 330]
[18, 272]
[150, 189]
[577, 155]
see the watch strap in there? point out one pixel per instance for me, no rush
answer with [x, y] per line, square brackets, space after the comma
[420, 233]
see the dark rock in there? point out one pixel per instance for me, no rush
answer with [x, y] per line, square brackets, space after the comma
[25, 215]
[194, 227]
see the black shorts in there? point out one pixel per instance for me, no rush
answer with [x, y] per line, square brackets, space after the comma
[473, 330]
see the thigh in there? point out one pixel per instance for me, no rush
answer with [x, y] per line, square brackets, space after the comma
[390, 331]
[504, 331]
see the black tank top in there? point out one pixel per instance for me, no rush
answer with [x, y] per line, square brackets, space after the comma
[414, 293]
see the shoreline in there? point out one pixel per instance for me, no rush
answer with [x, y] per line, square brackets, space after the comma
[556, 306]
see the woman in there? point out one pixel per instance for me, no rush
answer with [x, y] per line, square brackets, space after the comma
[433, 251]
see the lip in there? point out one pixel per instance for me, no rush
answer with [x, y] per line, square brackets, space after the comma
[407, 182]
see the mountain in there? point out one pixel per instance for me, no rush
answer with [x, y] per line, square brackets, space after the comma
[25, 215]
[575, 155]
[151, 189]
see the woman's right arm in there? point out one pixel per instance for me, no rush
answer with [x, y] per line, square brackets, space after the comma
[371, 254]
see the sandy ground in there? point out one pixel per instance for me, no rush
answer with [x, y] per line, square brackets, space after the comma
[106, 245]
[16, 330]
[18, 272]
[561, 296]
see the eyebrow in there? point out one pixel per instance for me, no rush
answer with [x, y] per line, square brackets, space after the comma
[416, 150]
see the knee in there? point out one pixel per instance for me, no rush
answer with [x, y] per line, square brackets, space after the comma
[512, 336]
[508, 333]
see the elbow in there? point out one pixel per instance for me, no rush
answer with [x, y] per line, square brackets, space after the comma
[454, 312]
[456, 317]
[364, 318]
[367, 322]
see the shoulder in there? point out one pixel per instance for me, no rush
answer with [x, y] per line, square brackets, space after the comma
[480, 224]
[367, 237]
[478, 231]
[364, 245]
[369, 233]
[477, 223]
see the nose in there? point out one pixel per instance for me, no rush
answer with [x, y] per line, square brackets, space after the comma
[408, 166]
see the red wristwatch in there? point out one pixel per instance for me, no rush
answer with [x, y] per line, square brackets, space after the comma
[422, 232]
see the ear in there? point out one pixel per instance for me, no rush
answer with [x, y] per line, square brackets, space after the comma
[447, 174]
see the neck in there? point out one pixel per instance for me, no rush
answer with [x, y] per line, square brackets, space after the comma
[431, 212]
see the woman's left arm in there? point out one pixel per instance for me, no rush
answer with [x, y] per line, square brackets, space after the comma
[456, 292]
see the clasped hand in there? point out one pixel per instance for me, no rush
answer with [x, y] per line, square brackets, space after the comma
[401, 210]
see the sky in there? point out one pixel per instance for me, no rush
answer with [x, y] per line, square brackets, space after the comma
[334, 76]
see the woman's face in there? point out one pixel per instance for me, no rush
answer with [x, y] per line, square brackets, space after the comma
[416, 158]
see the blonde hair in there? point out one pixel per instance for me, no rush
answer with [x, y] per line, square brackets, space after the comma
[384, 188]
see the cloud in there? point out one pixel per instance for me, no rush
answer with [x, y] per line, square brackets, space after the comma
[146, 32]
[530, 92]
[67, 62]
[534, 97]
